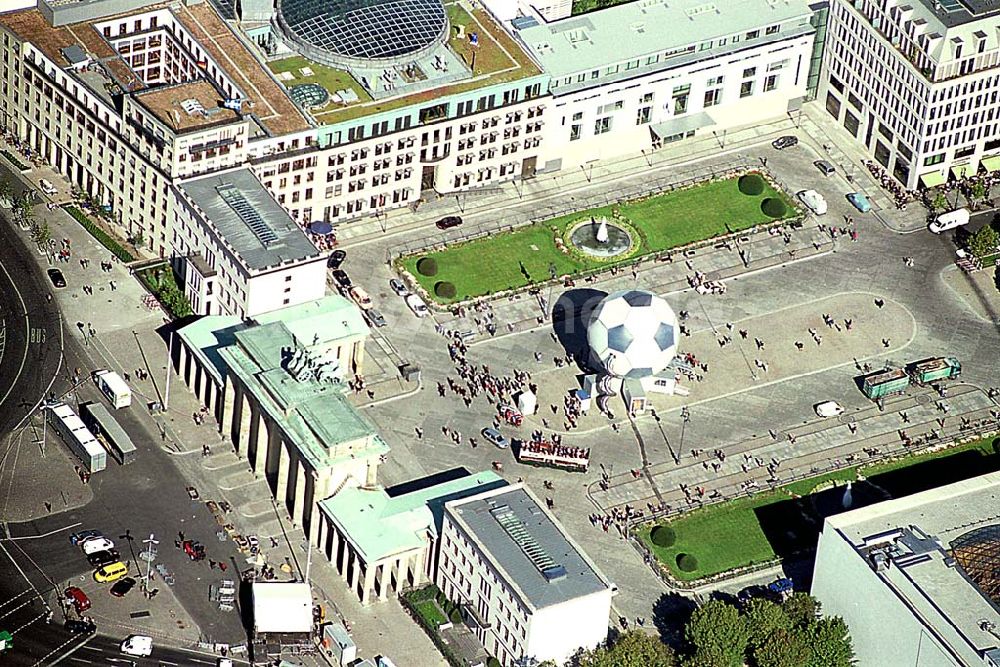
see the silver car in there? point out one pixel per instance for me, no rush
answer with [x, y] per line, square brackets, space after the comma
[495, 436]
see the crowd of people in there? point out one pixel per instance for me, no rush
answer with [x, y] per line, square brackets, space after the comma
[900, 195]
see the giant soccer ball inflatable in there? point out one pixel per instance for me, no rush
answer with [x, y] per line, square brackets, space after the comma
[632, 334]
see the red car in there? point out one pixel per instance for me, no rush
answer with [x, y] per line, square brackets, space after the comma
[194, 550]
[79, 599]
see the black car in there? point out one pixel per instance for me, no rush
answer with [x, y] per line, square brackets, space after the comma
[102, 558]
[337, 258]
[122, 587]
[786, 141]
[80, 627]
[341, 278]
[57, 278]
[448, 222]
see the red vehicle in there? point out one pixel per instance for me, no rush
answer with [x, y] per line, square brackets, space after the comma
[511, 415]
[78, 598]
[194, 550]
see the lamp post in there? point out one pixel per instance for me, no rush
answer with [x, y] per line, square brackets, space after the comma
[150, 553]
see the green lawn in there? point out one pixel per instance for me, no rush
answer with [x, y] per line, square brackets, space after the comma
[728, 535]
[661, 222]
[328, 77]
[430, 612]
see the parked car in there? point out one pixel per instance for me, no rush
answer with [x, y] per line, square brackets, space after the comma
[814, 200]
[398, 286]
[361, 298]
[950, 220]
[448, 222]
[341, 278]
[495, 436]
[140, 645]
[376, 318]
[786, 141]
[47, 187]
[57, 278]
[417, 305]
[122, 587]
[112, 572]
[95, 544]
[828, 409]
[825, 167]
[80, 627]
[859, 201]
[83, 536]
[77, 598]
[337, 258]
[102, 558]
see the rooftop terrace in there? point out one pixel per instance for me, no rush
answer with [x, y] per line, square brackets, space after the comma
[498, 59]
[172, 104]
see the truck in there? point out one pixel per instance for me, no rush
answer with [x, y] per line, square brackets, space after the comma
[937, 368]
[882, 383]
[337, 640]
[114, 388]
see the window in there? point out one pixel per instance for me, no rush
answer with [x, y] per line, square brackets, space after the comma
[712, 97]
[746, 89]
[833, 105]
[770, 83]
[602, 125]
[574, 132]
[753, 34]
[643, 115]
[749, 72]
[772, 29]
[933, 159]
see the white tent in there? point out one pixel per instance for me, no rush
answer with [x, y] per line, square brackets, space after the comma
[527, 402]
[282, 607]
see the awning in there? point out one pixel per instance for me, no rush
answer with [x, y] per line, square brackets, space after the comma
[932, 179]
[960, 171]
[320, 227]
[682, 125]
[991, 163]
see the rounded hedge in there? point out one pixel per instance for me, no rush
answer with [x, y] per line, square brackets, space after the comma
[455, 616]
[751, 184]
[773, 207]
[493, 662]
[687, 563]
[444, 289]
[427, 266]
[663, 536]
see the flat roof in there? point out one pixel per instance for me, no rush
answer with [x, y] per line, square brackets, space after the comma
[167, 103]
[209, 334]
[380, 526]
[331, 319]
[921, 574]
[269, 102]
[608, 36]
[484, 518]
[282, 607]
[257, 228]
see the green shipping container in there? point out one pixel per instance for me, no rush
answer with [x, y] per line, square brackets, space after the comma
[940, 368]
[884, 383]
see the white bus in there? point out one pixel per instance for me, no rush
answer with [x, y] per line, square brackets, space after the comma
[78, 437]
[109, 432]
[114, 388]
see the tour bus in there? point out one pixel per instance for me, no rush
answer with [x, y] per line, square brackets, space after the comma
[109, 432]
[78, 437]
[114, 388]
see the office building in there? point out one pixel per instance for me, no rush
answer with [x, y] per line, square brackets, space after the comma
[915, 578]
[915, 82]
[525, 588]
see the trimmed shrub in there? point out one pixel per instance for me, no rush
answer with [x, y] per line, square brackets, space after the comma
[493, 662]
[751, 184]
[427, 266]
[663, 536]
[773, 207]
[455, 616]
[102, 237]
[687, 563]
[444, 289]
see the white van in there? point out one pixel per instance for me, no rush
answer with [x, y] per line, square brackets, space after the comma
[140, 645]
[950, 220]
[814, 200]
[114, 388]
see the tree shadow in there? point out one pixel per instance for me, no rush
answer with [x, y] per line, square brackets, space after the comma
[570, 317]
[671, 613]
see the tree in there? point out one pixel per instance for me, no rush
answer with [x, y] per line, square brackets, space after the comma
[6, 191]
[977, 191]
[718, 630]
[41, 234]
[773, 207]
[764, 618]
[801, 608]
[939, 202]
[23, 208]
[631, 649]
[784, 648]
[829, 643]
[984, 241]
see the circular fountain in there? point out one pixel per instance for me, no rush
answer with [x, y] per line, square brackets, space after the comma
[599, 238]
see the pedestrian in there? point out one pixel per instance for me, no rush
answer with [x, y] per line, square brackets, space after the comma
[885, 342]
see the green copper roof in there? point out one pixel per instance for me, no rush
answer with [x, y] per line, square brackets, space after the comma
[332, 318]
[380, 526]
[207, 336]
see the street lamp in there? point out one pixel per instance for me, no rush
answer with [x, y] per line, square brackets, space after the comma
[150, 554]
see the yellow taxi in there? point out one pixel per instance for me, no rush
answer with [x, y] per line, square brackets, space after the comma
[111, 572]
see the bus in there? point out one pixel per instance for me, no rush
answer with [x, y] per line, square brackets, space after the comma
[114, 388]
[78, 437]
[109, 432]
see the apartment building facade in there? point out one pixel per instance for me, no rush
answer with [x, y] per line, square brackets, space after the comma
[528, 592]
[916, 84]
